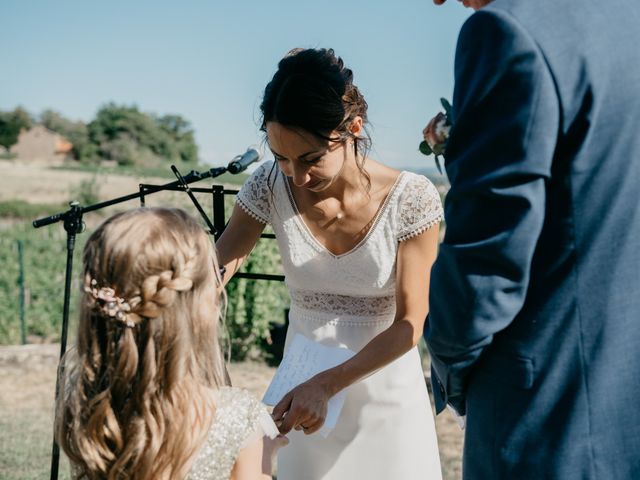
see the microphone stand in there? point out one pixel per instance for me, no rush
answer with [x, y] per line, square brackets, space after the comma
[73, 224]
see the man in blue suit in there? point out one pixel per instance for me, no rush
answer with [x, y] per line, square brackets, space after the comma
[534, 325]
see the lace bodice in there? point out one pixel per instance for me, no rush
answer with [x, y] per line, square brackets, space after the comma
[239, 419]
[342, 284]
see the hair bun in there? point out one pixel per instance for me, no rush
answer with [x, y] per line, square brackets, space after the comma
[313, 90]
[322, 63]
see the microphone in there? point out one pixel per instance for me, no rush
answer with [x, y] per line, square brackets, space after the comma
[241, 162]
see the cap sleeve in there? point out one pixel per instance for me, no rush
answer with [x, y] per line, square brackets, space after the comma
[256, 418]
[255, 196]
[239, 419]
[419, 208]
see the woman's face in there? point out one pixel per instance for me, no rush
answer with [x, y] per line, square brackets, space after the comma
[311, 162]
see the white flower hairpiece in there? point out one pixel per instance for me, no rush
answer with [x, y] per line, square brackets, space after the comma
[109, 304]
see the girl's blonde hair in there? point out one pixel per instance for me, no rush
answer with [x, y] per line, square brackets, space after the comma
[135, 403]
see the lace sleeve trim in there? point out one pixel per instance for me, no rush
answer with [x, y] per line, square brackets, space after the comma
[255, 196]
[420, 230]
[247, 209]
[420, 208]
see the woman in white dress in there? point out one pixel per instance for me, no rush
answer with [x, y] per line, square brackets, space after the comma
[357, 241]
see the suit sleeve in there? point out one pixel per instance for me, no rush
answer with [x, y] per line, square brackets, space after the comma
[506, 122]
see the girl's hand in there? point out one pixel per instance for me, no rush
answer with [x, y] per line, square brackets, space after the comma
[272, 445]
[303, 408]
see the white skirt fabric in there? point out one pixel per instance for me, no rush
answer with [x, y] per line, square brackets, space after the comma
[386, 428]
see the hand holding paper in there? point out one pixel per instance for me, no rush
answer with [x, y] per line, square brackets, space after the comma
[304, 408]
[300, 393]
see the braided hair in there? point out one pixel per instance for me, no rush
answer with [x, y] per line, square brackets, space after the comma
[147, 348]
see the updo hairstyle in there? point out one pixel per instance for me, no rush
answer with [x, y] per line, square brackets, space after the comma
[314, 91]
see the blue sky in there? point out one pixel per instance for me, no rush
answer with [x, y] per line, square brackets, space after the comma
[210, 60]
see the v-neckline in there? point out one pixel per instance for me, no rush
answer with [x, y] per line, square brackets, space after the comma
[298, 218]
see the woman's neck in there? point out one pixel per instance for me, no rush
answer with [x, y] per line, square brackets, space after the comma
[348, 181]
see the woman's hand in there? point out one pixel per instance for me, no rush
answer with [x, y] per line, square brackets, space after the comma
[305, 407]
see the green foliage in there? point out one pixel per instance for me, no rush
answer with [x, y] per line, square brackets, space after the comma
[119, 133]
[448, 109]
[11, 123]
[253, 305]
[45, 259]
[128, 136]
[159, 171]
[87, 192]
[183, 145]
[26, 210]
[76, 132]
[424, 148]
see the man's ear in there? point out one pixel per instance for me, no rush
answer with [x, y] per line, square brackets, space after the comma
[356, 126]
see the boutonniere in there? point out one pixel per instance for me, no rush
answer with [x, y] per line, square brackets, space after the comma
[436, 134]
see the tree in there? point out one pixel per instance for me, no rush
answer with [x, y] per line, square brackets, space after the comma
[181, 132]
[11, 124]
[118, 132]
[76, 132]
[124, 134]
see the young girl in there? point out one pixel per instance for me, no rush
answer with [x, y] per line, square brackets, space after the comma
[146, 394]
[357, 240]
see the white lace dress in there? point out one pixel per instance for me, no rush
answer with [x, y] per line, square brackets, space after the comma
[386, 428]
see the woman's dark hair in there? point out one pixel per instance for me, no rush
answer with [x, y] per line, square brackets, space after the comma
[314, 91]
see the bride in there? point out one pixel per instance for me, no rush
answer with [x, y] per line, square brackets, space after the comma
[357, 240]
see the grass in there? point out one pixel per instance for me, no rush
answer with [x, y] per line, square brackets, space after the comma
[159, 172]
[19, 209]
[26, 443]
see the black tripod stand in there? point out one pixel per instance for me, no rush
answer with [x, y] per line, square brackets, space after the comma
[73, 224]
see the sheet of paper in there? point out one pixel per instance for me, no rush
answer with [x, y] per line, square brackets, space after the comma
[304, 359]
[461, 420]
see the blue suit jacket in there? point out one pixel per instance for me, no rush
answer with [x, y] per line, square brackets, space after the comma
[534, 325]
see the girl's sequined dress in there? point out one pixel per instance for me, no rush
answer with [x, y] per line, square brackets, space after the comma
[240, 418]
